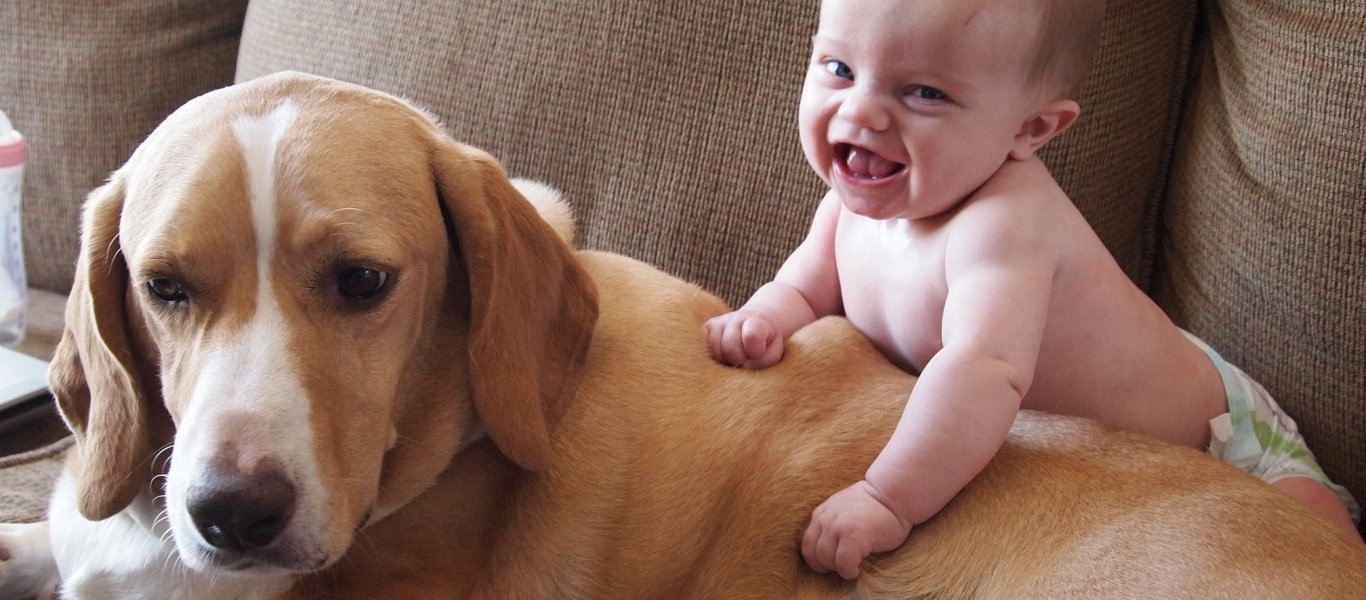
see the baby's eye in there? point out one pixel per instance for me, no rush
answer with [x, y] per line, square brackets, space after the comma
[925, 92]
[839, 69]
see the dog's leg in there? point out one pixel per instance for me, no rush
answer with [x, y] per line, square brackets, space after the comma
[27, 569]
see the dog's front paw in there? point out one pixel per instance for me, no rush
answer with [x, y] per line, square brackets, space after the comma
[27, 569]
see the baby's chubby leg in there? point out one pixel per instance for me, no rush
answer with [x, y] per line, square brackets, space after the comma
[1320, 500]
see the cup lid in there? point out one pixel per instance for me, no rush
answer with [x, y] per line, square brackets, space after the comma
[12, 147]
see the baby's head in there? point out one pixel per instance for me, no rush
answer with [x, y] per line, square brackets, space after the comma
[1066, 34]
[910, 105]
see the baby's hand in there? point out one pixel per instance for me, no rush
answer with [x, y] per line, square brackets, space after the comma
[848, 527]
[743, 339]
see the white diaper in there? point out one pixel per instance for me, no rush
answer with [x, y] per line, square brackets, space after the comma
[1256, 436]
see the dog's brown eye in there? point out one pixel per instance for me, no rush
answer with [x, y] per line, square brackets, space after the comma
[167, 290]
[361, 284]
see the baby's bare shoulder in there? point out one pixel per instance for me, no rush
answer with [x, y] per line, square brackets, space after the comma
[1018, 210]
[1006, 229]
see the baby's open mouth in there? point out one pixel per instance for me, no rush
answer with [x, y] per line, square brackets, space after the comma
[863, 163]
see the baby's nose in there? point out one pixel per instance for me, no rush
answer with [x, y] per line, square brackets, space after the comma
[865, 109]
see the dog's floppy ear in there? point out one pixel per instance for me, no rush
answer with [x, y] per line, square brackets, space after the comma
[97, 379]
[532, 307]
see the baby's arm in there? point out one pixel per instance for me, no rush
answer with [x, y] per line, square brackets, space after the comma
[999, 267]
[805, 288]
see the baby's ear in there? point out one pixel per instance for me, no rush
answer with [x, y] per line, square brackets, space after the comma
[1054, 118]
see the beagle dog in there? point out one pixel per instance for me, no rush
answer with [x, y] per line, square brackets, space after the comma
[318, 349]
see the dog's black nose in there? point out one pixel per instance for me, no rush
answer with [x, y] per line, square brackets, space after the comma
[238, 512]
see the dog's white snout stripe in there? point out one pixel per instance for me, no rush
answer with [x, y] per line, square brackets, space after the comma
[260, 142]
[249, 402]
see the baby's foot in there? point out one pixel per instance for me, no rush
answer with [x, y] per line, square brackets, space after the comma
[27, 569]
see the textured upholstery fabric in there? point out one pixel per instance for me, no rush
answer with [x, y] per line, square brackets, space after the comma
[85, 82]
[1264, 250]
[28, 479]
[672, 125]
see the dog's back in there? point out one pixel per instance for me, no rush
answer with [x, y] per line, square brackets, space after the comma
[675, 477]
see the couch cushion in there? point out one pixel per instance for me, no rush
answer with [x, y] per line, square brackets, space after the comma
[1265, 251]
[85, 82]
[671, 125]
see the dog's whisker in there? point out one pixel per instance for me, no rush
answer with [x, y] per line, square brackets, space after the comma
[349, 209]
[160, 500]
[150, 460]
[163, 451]
[171, 564]
[113, 250]
[365, 543]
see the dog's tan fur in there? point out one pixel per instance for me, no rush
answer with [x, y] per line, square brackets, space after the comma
[634, 467]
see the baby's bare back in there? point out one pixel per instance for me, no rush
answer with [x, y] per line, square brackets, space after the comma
[1108, 352]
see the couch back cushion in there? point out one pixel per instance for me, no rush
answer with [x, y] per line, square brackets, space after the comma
[671, 125]
[1264, 252]
[85, 82]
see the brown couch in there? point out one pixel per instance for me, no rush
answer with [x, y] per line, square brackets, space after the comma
[1219, 153]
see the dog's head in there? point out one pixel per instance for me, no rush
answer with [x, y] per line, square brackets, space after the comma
[318, 297]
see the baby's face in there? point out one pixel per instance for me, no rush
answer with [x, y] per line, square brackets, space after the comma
[910, 105]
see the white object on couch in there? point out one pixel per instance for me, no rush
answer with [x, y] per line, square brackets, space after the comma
[21, 377]
[13, 284]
